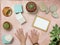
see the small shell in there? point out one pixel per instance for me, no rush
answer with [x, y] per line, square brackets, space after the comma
[55, 15]
[43, 7]
[53, 8]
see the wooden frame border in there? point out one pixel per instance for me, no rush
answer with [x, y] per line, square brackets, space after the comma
[40, 28]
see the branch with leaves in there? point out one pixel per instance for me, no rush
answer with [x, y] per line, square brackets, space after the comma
[55, 35]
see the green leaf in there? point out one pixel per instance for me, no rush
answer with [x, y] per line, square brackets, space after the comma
[55, 33]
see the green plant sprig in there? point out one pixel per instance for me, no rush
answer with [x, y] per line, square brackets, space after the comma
[55, 35]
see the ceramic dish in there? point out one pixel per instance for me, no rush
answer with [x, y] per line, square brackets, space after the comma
[7, 11]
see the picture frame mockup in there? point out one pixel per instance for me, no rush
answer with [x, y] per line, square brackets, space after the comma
[41, 23]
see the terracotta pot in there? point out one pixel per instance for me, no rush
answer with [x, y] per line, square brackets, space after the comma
[31, 7]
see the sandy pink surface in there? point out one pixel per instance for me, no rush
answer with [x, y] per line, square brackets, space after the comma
[44, 38]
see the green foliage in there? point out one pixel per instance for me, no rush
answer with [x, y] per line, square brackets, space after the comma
[55, 35]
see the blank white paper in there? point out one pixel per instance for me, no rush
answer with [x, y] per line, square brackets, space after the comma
[20, 18]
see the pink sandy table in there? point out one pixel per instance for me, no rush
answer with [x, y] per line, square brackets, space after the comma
[44, 38]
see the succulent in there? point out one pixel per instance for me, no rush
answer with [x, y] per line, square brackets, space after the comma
[31, 6]
[6, 25]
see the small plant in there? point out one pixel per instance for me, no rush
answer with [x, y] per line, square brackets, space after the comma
[55, 35]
